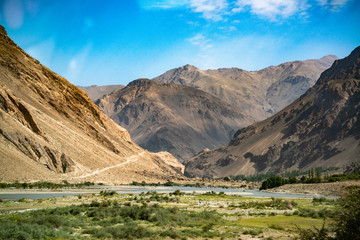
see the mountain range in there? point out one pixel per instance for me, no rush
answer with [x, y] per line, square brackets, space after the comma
[171, 117]
[257, 94]
[51, 130]
[204, 108]
[320, 129]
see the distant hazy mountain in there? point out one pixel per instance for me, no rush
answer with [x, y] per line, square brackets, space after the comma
[257, 94]
[172, 117]
[321, 128]
[95, 92]
[50, 130]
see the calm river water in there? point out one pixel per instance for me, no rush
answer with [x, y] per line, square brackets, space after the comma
[16, 194]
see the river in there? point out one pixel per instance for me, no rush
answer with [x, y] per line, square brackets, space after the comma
[16, 194]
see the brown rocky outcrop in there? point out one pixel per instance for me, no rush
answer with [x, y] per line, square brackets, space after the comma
[172, 117]
[320, 129]
[257, 94]
[51, 130]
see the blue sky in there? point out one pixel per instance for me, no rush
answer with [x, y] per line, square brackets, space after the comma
[114, 42]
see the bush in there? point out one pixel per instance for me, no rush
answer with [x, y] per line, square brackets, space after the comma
[348, 221]
[314, 233]
[319, 200]
[253, 232]
[19, 230]
[276, 227]
[107, 193]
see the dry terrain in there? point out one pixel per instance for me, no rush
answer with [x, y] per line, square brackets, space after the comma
[323, 189]
[258, 94]
[320, 129]
[51, 130]
[171, 117]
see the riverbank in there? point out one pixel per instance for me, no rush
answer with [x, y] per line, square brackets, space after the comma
[334, 189]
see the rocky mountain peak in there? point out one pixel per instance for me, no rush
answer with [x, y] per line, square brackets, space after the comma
[3, 31]
[141, 82]
[189, 68]
[346, 68]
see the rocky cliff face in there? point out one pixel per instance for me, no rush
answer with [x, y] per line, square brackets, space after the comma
[50, 130]
[258, 94]
[321, 128]
[172, 117]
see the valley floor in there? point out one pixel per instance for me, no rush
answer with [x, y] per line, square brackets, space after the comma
[152, 215]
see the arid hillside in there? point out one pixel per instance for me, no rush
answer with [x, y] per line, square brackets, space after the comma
[321, 128]
[257, 94]
[172, 117]
[51, 130]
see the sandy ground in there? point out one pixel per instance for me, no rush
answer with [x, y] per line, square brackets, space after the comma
[324, 189]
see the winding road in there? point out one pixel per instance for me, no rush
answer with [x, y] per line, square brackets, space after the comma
[132, 158]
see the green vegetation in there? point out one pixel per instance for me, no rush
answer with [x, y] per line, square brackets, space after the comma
[275, 203]
[169, 183]
[276, 181]
[46, 185]
[295, 173]
[348, 226]
[109, 219]
[175, 215]
[252, 178]
[346, 220]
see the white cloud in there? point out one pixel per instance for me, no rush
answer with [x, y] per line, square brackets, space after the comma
[333, 5]
[273, 9]
[210, 9]
[200, 41]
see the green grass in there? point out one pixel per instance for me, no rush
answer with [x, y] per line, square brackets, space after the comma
[159, 216]
[286, 222]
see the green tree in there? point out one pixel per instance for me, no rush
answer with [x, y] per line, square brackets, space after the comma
[348, 222]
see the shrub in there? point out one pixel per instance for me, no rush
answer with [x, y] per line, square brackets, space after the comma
[94, 204]
[276, 227]
[348, 220]
[19, 230]
[314, 233]
[253, 232]
[107, 193]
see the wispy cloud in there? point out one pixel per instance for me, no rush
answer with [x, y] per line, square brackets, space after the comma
[273, 9]
[210, 9]
[201, 41]
[333, 5]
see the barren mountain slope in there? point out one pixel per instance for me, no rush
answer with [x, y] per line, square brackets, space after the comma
[321, 128]
[257, 94]
[49, 129]
[95, 92]
[172, 117]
